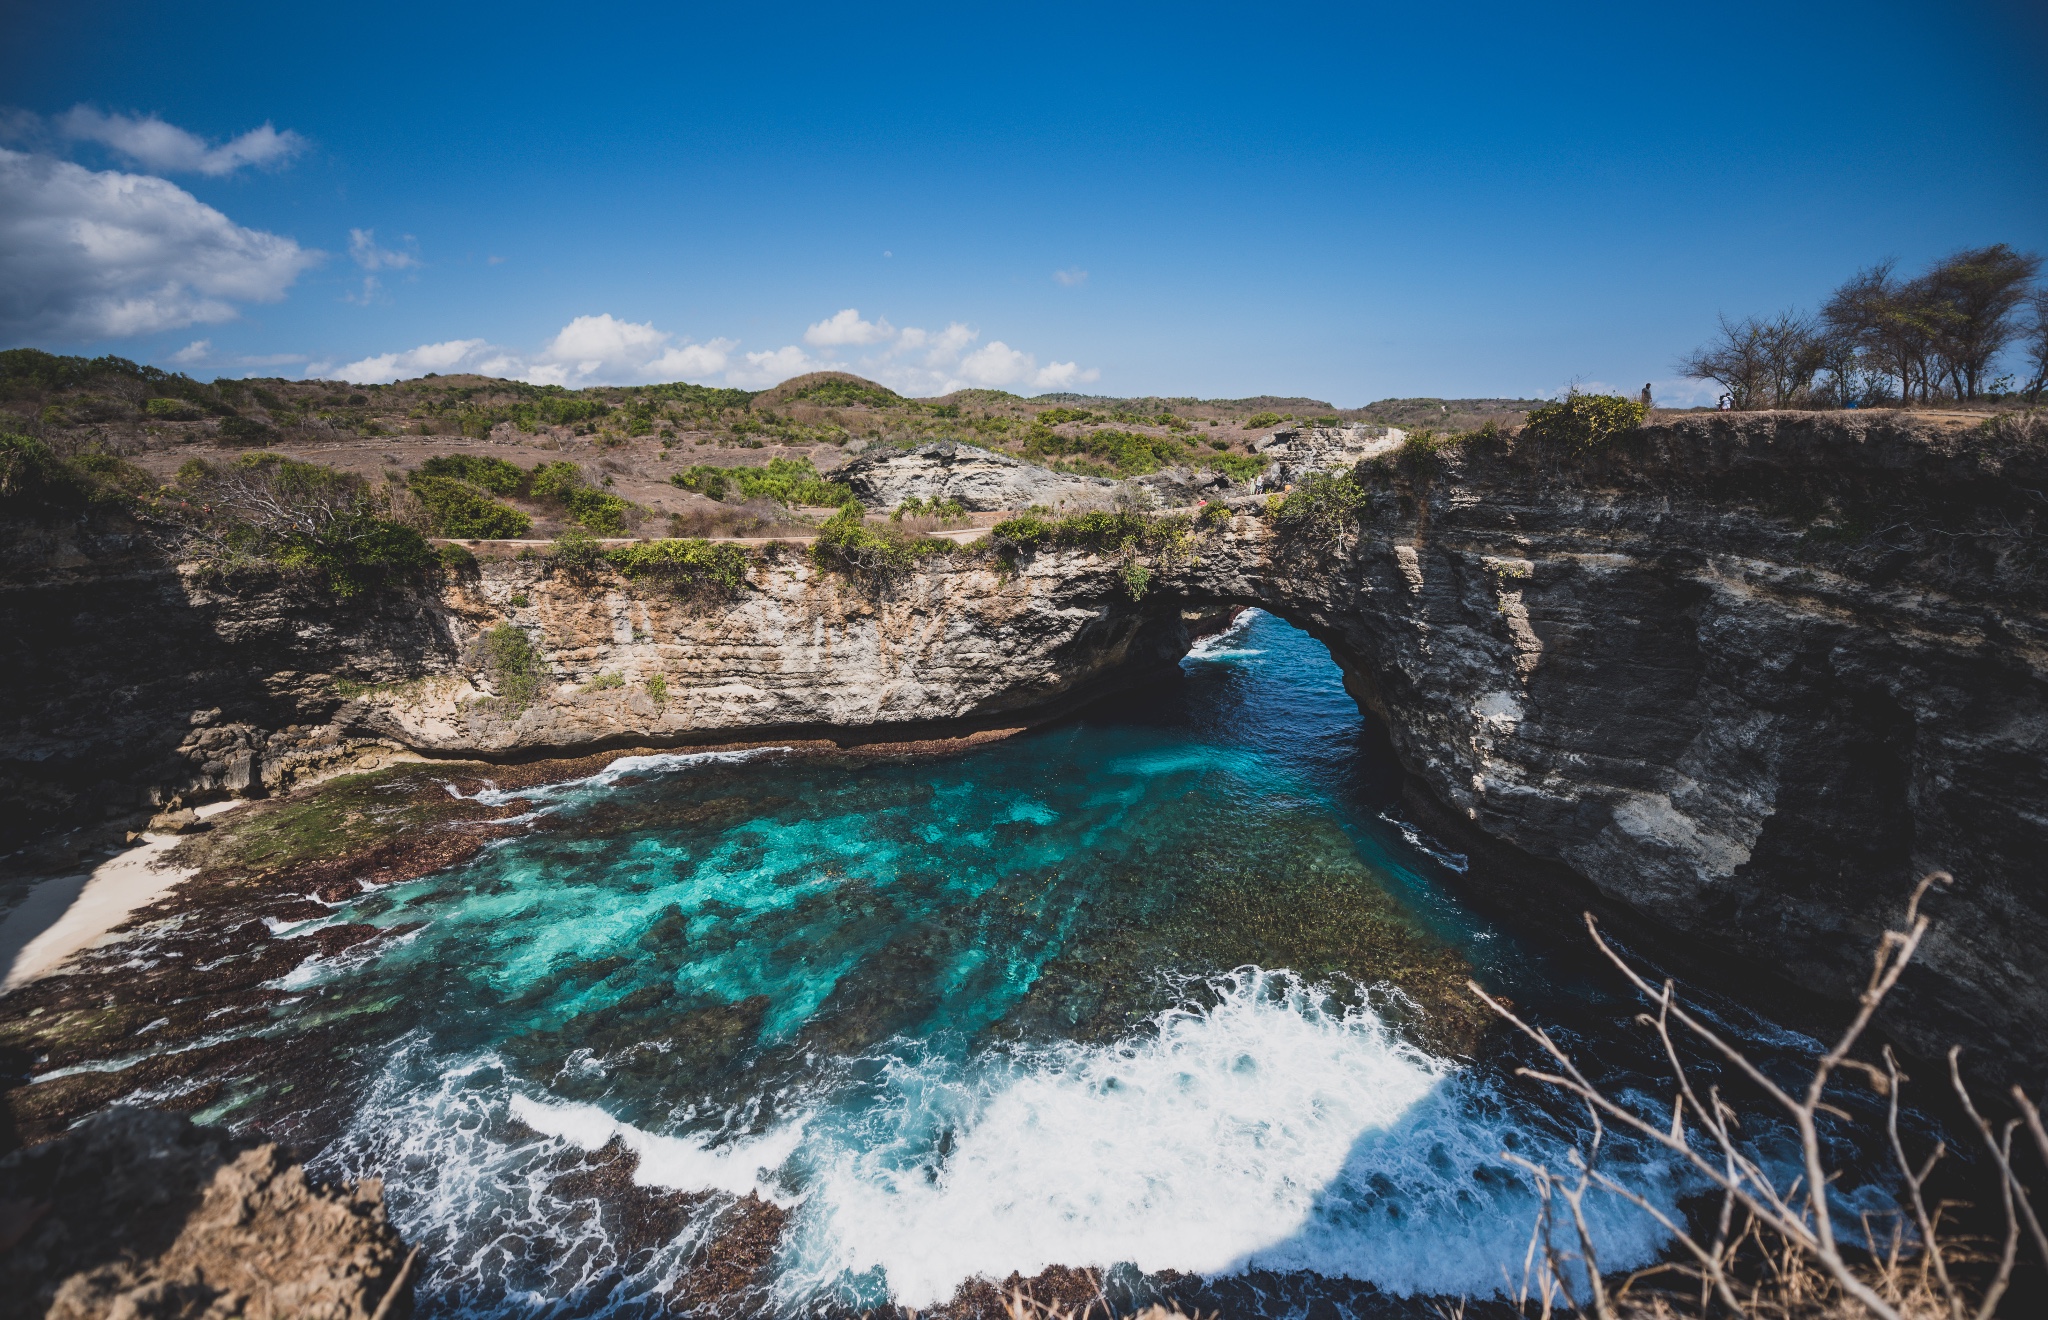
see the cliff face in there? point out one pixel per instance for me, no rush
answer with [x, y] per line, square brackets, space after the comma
[1744, 677]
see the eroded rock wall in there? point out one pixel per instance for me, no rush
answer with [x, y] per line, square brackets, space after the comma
[1743, 677]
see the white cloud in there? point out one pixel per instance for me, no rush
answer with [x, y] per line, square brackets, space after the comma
[604, 350]
[776, 366]
[846, 327]
[362, 246]
[92, 254]
[194, 354]
[156, 145]
[439, 358]
[1072, 276]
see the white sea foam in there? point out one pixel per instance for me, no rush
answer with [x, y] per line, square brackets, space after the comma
[1225, 645]
[1273, 1130]
[737, 1167]
[1422, 843]
[657, 764]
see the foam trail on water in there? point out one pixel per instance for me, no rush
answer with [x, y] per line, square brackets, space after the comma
[656, 764]
[1225, 645]
[739, 1167]
[1270, 1131]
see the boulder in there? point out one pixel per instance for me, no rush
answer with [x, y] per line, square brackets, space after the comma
[975, 478]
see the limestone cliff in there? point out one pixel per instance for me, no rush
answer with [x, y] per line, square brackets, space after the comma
[1741, 677]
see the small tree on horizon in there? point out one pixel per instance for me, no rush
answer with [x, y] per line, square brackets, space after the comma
[1761, 361]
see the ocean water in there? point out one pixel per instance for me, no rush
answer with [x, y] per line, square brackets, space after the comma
[1167, 987]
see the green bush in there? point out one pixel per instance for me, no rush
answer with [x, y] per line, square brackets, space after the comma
[848, 544]
[784, 480]
[1213, 515]
[458, 560]
[657, 687]
[244, 431]
[690, 567]
[1321, 506]
[1100, 531]
[492, 474]
[1260, 421]
[601, 513]
[1238, 467]
[1584, 421]
[173, 410]
[554, 481]
[575, 551]
[935, 507]
[35, 482]
[605, 682]
[459, 509]
[1128, 453]
[515, 668]
[358, 555]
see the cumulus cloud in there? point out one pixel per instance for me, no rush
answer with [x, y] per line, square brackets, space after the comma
[590, 350]
[604, 350]
[846, 327]
[98, 254]
[155, 145]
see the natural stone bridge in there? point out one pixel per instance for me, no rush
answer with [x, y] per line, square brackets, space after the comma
[1740, 680]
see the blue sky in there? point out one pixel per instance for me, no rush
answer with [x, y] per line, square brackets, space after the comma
[1348, 202]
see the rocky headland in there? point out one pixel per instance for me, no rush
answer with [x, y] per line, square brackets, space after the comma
[1738, 679]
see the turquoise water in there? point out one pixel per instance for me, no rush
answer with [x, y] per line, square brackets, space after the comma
[1165, 988]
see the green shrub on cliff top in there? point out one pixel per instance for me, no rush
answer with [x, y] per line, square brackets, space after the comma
[784, 480]
[1321, 506]
[690, 567]
[459, 509]
[848, 544]
[1584, 421]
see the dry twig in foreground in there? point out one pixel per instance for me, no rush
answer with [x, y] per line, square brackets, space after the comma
[1789, 1231]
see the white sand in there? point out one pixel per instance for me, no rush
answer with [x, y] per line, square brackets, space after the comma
[61, 917]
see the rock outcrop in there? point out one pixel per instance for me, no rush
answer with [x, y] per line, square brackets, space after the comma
[1741, 677]
[976, 479]
[139, 1213]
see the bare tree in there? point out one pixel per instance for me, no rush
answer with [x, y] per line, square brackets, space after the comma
[1762, 361]
[1882, 316]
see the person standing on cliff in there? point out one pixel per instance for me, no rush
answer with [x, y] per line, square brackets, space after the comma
[1646, 398]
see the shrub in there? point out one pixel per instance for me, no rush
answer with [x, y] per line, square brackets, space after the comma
[492, 474]
[1261, 420]
[513, 665]
[784, 480]
[303, 517]
[554, 481]
[657, 687]
[459, 509]
[1238, 467]
[458, 560]
[1583, 421]
[1213, 515]
[1128, 453]
[360, 554]
[690, 567]
[575, 551]
[173, 410]
[243, 431]
[35, 482]
[603, 514]
[848, 544]
[844, 394]
[935, 507]
[1322, 506]
[605, 682]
